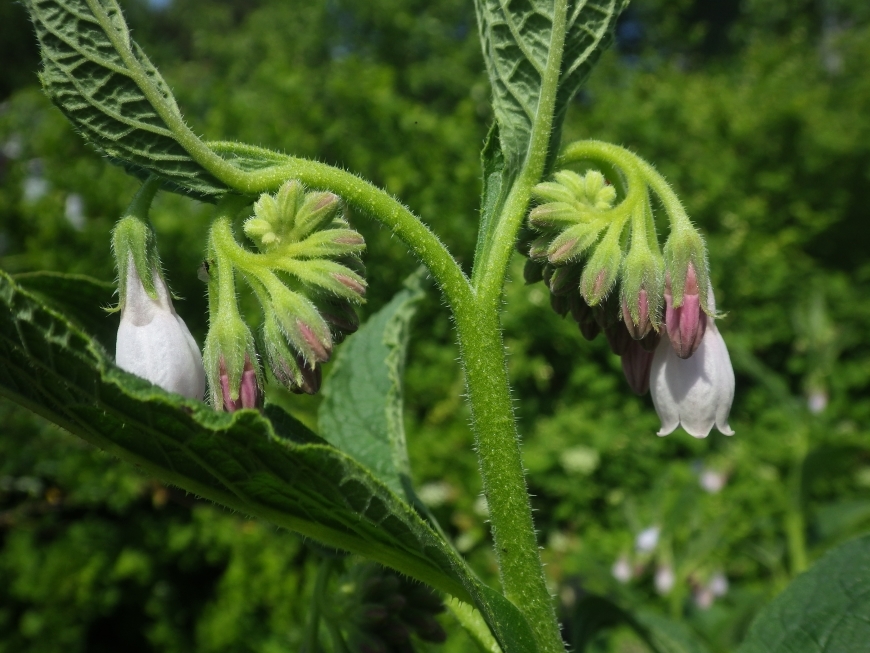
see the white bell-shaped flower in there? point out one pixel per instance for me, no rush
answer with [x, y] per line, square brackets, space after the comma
[696, 392]
[154, 343]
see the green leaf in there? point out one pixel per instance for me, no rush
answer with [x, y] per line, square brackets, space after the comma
[106, 86]
[825, 609]
[497, 180]
[516, 37]
[593, 615]
[361, 413]
[273, 469]
[78, 297]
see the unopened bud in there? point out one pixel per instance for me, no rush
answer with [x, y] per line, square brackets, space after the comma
[533, 272]
[317, 210]
[394, 632]
[342, 316]
[602, 270]
[559, 304]
[248, 394]
[230, 359]
[636, 365]
[319, 348]
[618, 338]
[373, 613]
[584, 316]
[644, 325]
[574, 241]
[538, 249]
[564, 280]
[685, 324]
[557, 215]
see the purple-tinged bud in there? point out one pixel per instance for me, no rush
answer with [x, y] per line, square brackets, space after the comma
[395, 602]
[317, 209]
[249, 395]
[533, 272]
[310, 378]
[607, 312]
[636, 365]
[554, 215]
[651, 341]
[618, 338]
[584, 316]
[685, 324]
[564, 280]
[373, 613]
[320, 348]
[356, 285]
[643, 326]
[538, 249]
[559, 304]
[394, 632]
[342, 316]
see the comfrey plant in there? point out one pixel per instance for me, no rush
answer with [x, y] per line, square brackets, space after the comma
[600, 227]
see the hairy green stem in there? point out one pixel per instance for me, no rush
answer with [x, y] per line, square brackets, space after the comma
[483, 356]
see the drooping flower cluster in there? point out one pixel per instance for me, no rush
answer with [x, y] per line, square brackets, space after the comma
[307, 276]
[583, 244]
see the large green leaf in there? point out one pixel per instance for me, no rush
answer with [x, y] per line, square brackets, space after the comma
[826, 609]
[361, 413]
[269, 468]
[516, 36]
[106, 86]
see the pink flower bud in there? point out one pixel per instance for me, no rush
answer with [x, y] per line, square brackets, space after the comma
[249, 391]
[686, 323]
[352, 284]
[618, 338]
[320, 349]
[584, 316]
[636, 365]
[644, 324]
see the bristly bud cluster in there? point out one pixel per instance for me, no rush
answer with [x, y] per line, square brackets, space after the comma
[583, 247]
[308, 278]
[602, 263]
[382, 612]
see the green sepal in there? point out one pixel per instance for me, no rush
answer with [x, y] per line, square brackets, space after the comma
[683, 246]
[574, 241]
[602, 270]
[133, 237]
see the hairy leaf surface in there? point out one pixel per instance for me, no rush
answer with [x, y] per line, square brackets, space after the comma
[826, 609]
[516, 36]
[269, 468]
[361, 413]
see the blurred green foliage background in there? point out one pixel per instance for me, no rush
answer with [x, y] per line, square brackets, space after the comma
[758, 112]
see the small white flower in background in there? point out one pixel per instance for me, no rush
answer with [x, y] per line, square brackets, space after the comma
[74, 211]
[718, 584]
[703, 598]
[154, 343]
[696, 392]
[712, 481]
[817, 401]
[647, 539]
[621, 569]
[665, 579]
